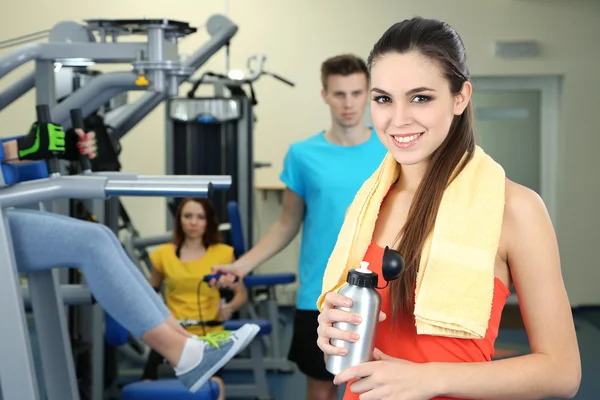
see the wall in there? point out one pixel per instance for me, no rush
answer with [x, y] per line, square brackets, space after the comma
[298, 35]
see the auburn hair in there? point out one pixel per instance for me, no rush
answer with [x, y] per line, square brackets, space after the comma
[211, 236]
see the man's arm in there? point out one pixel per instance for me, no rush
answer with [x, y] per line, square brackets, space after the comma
[279, 235]
[240, 297]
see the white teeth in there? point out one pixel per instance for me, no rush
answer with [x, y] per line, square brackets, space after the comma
[406, 139]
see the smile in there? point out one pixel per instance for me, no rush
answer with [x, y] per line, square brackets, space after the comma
[407, 141]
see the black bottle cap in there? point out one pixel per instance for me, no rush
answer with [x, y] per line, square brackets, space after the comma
[392, 264]
[362, 277]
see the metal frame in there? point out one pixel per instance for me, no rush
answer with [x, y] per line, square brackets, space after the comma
[221, 30]
[161, 60]
[17, 374]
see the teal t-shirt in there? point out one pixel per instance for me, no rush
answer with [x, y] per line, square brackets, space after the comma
[327, 176]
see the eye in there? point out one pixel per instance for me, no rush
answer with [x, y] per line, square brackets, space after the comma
[421, 99]
[381, 99]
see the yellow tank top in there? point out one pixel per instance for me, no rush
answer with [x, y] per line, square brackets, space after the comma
[187, 297]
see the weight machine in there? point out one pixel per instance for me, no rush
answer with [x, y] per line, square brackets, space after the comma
[157, 69]
[215, 136]
[45, 185]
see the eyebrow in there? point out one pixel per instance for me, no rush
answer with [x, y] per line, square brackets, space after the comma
[411, 91]
[353, 91]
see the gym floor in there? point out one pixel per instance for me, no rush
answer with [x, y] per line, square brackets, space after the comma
[511, 341]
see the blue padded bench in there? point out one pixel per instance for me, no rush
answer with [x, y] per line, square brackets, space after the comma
[269, 279]
[171, 389]
[16, 173]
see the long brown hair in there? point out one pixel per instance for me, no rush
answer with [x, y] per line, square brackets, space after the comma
[211, 236]
[440, 43]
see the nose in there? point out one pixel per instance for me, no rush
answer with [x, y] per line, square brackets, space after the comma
[348, 102]
[401, 115]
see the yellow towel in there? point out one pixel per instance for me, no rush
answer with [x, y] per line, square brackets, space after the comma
[455, 280]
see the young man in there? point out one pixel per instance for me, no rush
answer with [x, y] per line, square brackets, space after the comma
[322, 174]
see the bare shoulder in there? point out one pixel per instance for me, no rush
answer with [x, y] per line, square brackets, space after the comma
[523, 207]
[528, 235]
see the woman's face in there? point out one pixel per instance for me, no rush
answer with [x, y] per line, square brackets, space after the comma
[412, 106]
[193, 220]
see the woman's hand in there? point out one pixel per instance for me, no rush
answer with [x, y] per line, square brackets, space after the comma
[389, 378]
[329, 315]
[86, 143]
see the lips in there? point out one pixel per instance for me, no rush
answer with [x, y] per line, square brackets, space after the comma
[405, 141]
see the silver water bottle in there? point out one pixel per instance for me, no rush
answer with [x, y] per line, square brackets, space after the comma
[366, 302]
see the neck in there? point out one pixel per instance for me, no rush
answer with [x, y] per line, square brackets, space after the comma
[193, 244]
[348, 136]
[411, 176]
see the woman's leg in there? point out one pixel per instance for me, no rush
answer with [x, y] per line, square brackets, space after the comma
[137, 275]
[44, 240]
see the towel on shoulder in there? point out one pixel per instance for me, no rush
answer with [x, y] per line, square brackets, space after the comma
[455, 280]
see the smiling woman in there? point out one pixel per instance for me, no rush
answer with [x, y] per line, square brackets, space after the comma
[414, 106]
[431, 199]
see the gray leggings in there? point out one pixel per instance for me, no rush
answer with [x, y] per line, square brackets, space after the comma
[44, 240]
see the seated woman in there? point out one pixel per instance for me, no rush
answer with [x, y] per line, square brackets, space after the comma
[182, 264]
[44, 240]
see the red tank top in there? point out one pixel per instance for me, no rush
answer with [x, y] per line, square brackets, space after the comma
[403, 342]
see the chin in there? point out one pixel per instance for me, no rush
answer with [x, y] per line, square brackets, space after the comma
[408, 159]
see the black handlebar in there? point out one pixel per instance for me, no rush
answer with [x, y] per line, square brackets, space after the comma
[78, 123]
[43, 117]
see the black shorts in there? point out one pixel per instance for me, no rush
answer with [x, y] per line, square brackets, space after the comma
[304, 350]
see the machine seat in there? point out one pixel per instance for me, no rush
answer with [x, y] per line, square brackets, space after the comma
[171, 389]
[269, 279]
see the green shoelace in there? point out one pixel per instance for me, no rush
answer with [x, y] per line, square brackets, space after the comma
[216, 339]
